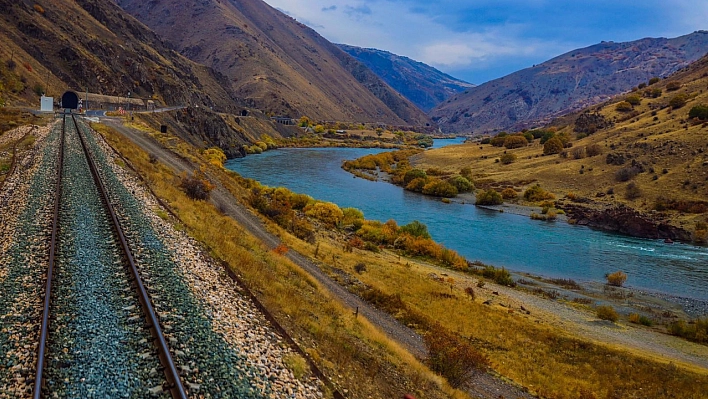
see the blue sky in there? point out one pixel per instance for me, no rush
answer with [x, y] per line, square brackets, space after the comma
[480, 40]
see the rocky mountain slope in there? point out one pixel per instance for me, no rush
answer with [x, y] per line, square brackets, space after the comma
[568, 82]
[422, 84]
[94, 45]
[275, 62]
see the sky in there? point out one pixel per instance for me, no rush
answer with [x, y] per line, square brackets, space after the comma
[480, 40]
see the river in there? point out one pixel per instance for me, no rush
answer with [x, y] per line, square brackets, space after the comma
[552, 249]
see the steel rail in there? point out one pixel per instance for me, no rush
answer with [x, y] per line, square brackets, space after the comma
[44, 329]
[174, 382]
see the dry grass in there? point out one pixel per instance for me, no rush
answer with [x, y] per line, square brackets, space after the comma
[660, 138]
[355, 355]
[521, 347]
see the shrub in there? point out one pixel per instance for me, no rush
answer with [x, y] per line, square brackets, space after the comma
[626, 174]
[499, 276]
[215, 156]
[461, 184]
[38, 8]
[352, 216]
[489, 197]
[673, 86]
[360, 267]
[623, 106]
[506, 159]
[498, 140]
[616, 279]
[466, 172]
[412, 175]
[578, 152]
[607, 312]
[439, 188]
[699, 111]
[654, 80]
[509, 193]
[696, 331]
[325, 212]
[515, 141]
[196, 186]
[416, 185]
[634, 99]
[452, 357]
[632, 191]
[38, 89]
[547, 135]
[643, 320]
[416, 229]
[678, 101]
[535, 194]
[593, 150]
[553, 146]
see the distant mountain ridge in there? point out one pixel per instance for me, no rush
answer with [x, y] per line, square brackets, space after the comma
[278, 64]
[568, 82]
[422, 84]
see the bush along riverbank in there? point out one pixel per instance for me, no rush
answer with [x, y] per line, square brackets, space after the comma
[398, 170]
[455, 307]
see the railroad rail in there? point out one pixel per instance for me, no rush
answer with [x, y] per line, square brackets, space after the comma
[173, 382]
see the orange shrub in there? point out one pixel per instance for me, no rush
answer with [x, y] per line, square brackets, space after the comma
[617, 279]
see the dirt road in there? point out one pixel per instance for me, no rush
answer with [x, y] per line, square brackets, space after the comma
[483, 385]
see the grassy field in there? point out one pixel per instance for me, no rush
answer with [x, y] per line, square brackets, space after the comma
[523, 348]
[671, 150]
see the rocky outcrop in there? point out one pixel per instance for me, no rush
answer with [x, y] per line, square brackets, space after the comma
[625, 220]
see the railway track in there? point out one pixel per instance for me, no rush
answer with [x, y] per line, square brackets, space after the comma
[100, 335]
[92, 314]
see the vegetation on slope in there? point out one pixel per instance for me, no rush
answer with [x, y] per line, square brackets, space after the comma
[646, 150]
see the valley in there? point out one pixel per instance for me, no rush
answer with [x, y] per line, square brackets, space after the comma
[242, 208]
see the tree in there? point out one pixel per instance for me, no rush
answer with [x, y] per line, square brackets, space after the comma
[553, 146]
[699, 111]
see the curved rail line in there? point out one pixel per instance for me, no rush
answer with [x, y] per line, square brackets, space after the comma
[174, 383]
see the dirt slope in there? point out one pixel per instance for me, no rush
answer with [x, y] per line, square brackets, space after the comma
[277, 63]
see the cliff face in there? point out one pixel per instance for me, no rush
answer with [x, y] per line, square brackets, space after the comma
[277, 63]
[422, 84]
[569, 82]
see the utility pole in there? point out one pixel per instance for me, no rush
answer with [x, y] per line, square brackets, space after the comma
[87, 107]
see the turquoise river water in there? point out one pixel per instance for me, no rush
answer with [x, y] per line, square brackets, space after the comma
[552, 249]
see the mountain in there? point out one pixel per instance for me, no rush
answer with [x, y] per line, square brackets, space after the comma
[422, 84]
[568, 82]
[638, 169]
[278, 64]
[95, 45]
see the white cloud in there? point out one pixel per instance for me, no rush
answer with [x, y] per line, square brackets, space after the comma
[447, 35]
